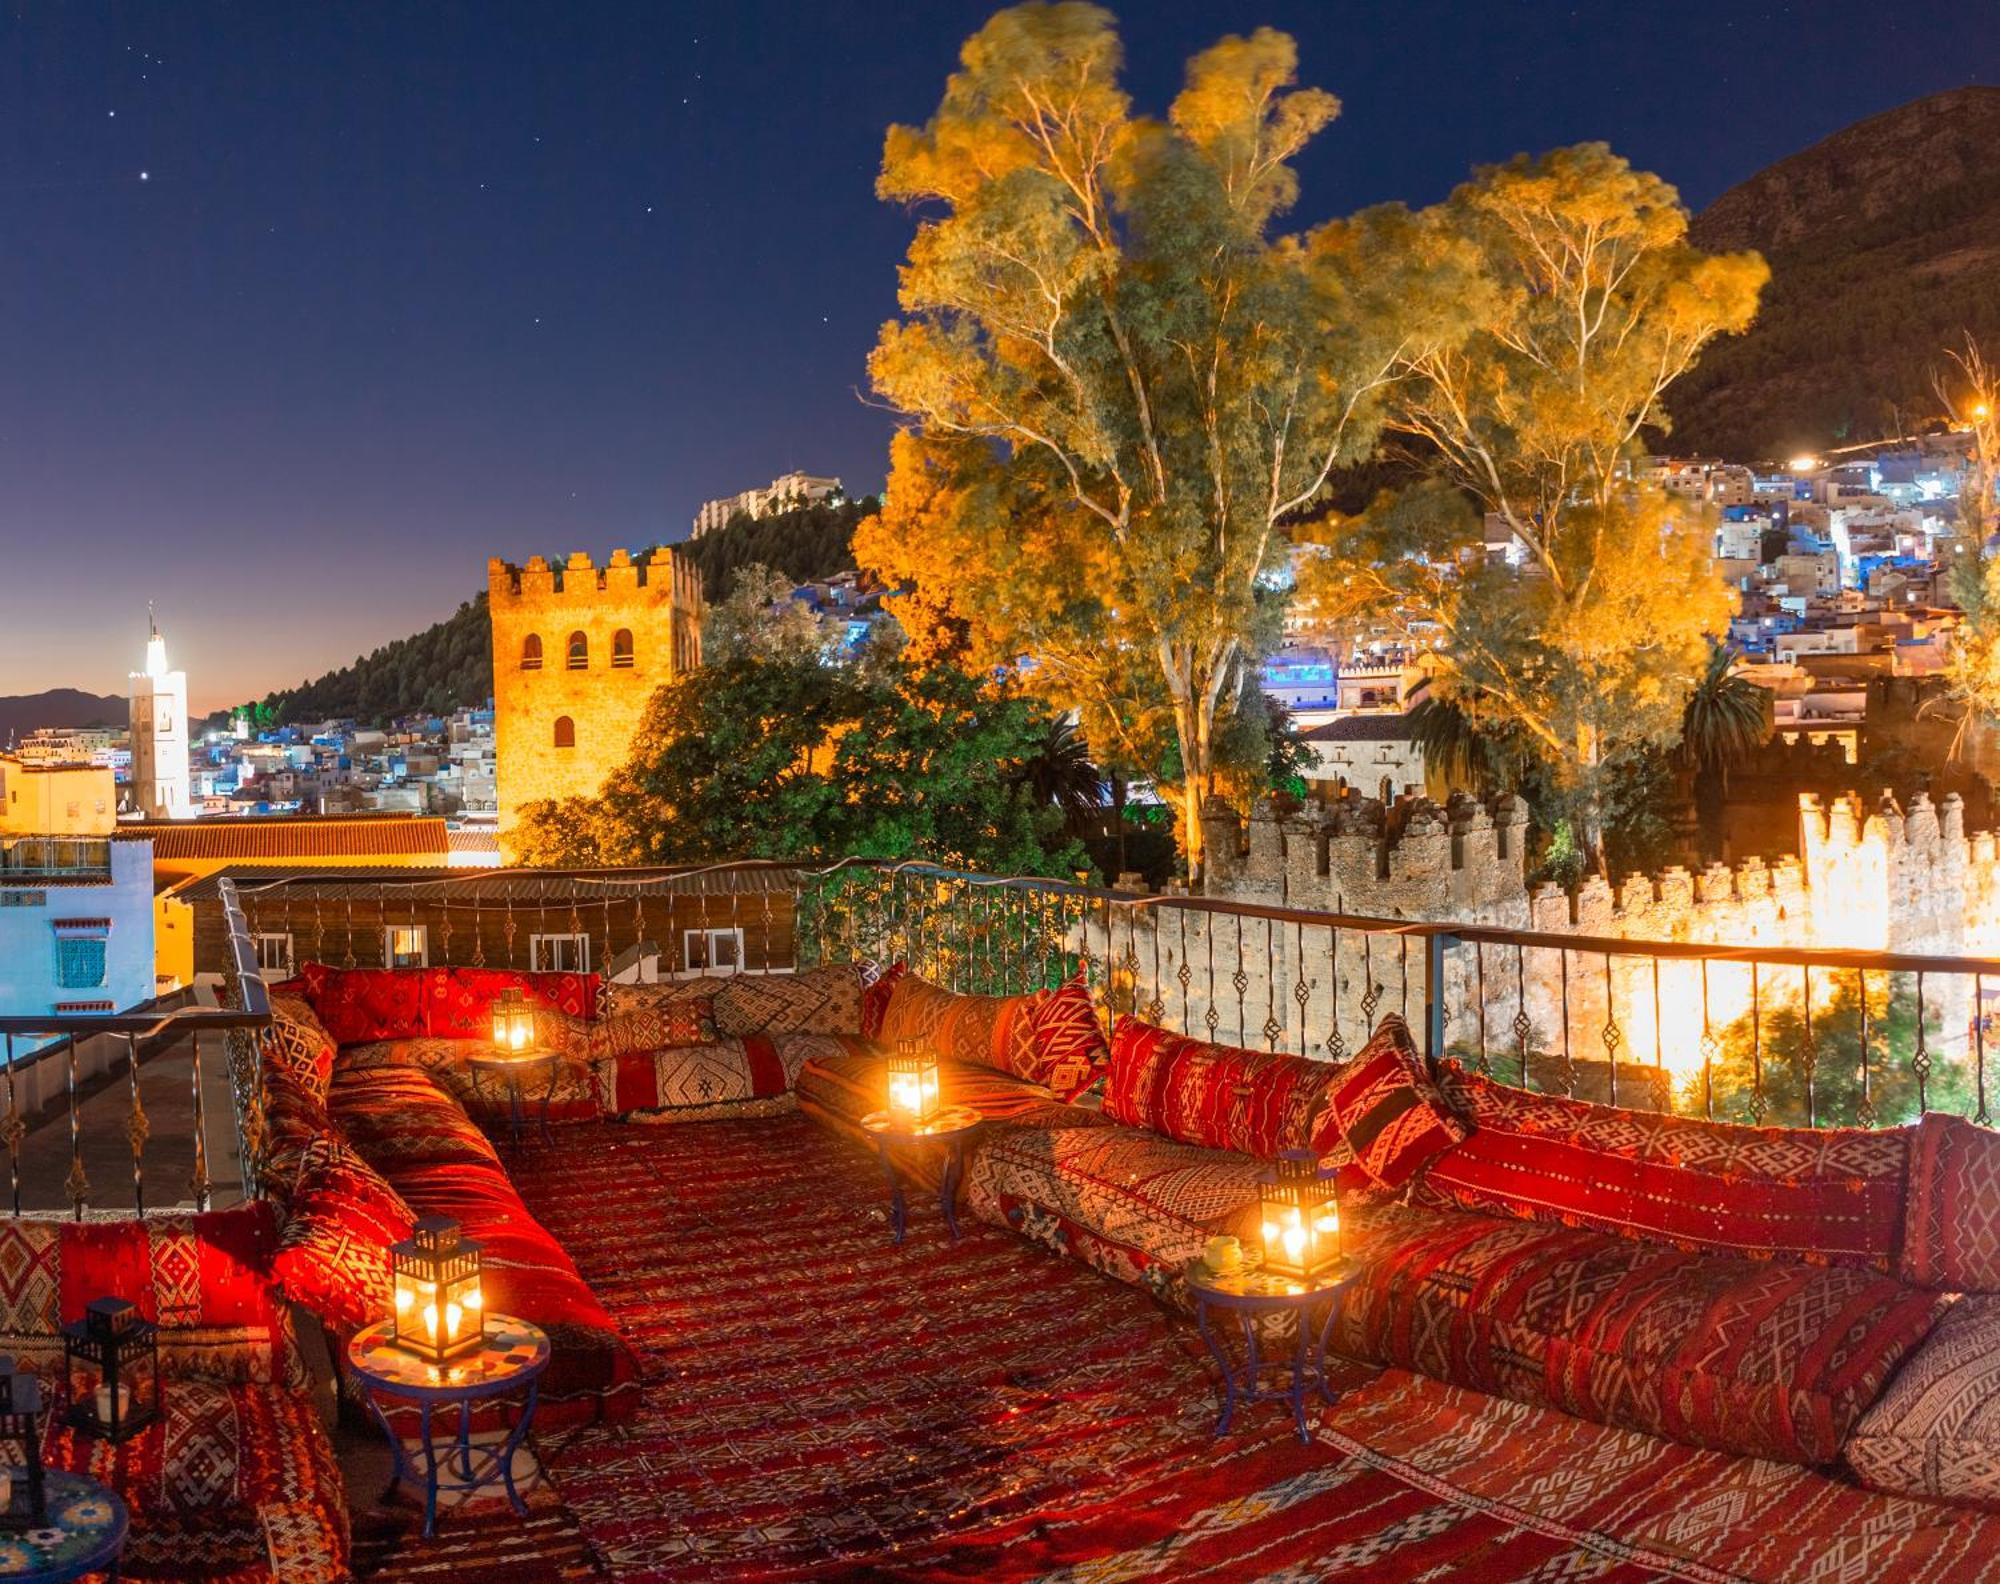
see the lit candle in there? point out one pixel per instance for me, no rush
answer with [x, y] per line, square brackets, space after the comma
[104, 1402]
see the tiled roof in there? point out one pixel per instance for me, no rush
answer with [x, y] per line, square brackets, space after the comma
[294, 837]
[1362, 728]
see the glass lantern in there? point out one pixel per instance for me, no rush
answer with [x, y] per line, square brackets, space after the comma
[111, 1364]
[440, 1310]
[514, 1022]
[1300, 1215]
[23, 1501]
[914, 1092]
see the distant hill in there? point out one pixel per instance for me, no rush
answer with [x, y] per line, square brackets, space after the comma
[807, 543]
[21, 713]
[1884, 244]
[445, 667]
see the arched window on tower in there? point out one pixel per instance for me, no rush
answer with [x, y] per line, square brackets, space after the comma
[621, 648]
[531, 652]
[579, 652]
[565, 732]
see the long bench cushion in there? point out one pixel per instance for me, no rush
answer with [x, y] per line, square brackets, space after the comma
[1951, 1234]
[1816, 1194]
[1756, 1357]
[524, 1272]
[825, 1000]
[750, 1076]
[992, 1031]
[484, 1096]
[400, 1115]
[1124, 1200]
[226, 1476]
[1936, 1430]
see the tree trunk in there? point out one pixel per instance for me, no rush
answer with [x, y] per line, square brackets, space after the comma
[1118, 812]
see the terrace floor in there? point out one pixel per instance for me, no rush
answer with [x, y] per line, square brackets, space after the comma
[820, 1404]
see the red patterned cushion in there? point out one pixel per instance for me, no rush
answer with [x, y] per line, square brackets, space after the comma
[1951, 1234]
[991, 1031]
[1747, 1356]
[1222, 1096]
[393, 1114]
[458, 1002]
[293, 1118]
[1818, 1194]
[1935, 1432]
[356, 1005]
[1069, 1041]
[333, 1253]
[688, 1021]
[875, 996]
[295, 1048]
[823, 1000]
[1384, 1108]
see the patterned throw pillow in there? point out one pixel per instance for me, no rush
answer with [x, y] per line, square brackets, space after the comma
[458, 1002]
[1220, 1096]
[988, 1031]
[1822, 1195]
[1951, 1231]
[1383, 1107]
[1936, 1431]
[613, 999]
[817, 1001]
[357, 1005]
[333, 1250]
[875, 994]
[1069, 1041]
[667, 1026]
[295, 1049]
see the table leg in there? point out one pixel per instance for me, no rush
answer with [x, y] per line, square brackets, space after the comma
[954, 1170]
[898, 1211]
[1301, 1377]
[514, 1440]
[514, 1107]
[1222, 1362]
[465, 1440]
[548, 1099]
[430, 1477]
[1325, 1331]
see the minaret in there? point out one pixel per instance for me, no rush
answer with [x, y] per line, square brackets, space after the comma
[159, 733]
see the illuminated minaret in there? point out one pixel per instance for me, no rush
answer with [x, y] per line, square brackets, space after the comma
[159, 734]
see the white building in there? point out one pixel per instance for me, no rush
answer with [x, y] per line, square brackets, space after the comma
[1378, 755]
[76, 925]
[787, 491]
[160, 787]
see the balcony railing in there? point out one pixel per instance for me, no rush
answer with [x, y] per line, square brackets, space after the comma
[68, 858]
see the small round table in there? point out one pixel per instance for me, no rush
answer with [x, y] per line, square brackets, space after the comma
[514, 1072]
[85, 1532]
[951, 1127]
[1252, 1296]
[511, 1358]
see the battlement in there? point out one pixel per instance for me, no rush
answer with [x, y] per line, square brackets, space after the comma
[579, 581]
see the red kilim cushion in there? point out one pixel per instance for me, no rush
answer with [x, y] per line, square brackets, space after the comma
[1951, 1234]
[875, 996]
[665, 1026]
[295, 1048]
[1069, 1041]
[1384, 1108]
[1221, 1096]
[1826, 1195]
[823, 1000]
[988, 1031]
[333, 1253]
[458, 1002]
[357, 1005]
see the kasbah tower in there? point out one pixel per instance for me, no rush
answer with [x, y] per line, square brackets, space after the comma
[578, 651]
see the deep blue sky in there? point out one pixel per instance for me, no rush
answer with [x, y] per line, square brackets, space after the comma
[305, 309]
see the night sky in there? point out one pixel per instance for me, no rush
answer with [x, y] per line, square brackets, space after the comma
[306, 309]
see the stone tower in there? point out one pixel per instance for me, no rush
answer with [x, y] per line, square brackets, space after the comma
[159, 721]
[578, 650]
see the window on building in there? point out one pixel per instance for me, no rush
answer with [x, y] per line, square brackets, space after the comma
[565, 732]
[559, 953]
[80, 952]
[716, 951]
[406, 946]
[579, 652]
[73, 1008]
[531, 652]
[274, 955]
[621, 648]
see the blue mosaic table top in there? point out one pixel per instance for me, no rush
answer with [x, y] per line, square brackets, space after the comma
[511, 1354]
[84, 1534]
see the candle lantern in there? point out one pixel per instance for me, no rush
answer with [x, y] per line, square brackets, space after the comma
[111, 1367]
[514, 1022]
[913, 1084]
[440, 1310]
[23, 1501]
[1301, 1219]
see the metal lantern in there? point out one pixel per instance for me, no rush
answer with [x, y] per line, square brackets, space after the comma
[21, 1420]
[514, 1022]
[913, 1084]
[111, 1366]
[440, 1310]
[1300, 1214]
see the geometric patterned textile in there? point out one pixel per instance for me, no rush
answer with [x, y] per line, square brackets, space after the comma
[1753, 1356]
[693, 1077]
[1823, 1195]
[1069, 1039]
[992, 1031]
[1383, 1107]
[817, 1001]
[295, 1048]
[333, 1251]
[690, 1021]
[356, 1005]
[614, 998]
[458, 1002]
[1221, 1096]
[397, 1114]
[875, 994]
[1951, 1237]
[1936, 1431]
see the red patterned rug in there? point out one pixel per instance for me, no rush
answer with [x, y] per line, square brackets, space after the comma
[820, 1404]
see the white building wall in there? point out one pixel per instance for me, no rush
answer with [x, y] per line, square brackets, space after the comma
[31, 911]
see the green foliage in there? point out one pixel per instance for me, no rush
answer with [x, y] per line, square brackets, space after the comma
[760, 619]
[788, 758]
[443, 668]
[805, 543]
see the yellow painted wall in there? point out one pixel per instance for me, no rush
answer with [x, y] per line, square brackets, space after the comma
[56, 800]
[173, 941]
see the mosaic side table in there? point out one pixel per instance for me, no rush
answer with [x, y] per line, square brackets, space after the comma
[514, 1073]
[85, 1533]
[1253, 1297]
[951, 1127]
[510, 1359]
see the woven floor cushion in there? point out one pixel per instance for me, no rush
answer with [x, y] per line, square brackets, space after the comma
[1757, 1357]
[1936, 1430]
[1126, 1201]
[1951, 1235]
[750, 1076]
[397, 1115]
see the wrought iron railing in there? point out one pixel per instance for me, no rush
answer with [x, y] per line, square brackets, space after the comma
[30, 1042]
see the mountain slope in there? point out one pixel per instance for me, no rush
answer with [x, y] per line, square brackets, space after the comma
[445, 667]
[1884, 244]
[21, 713]
[806, 543]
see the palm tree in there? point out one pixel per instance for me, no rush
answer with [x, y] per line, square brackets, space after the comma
[1058, 769]
[1726, 719]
